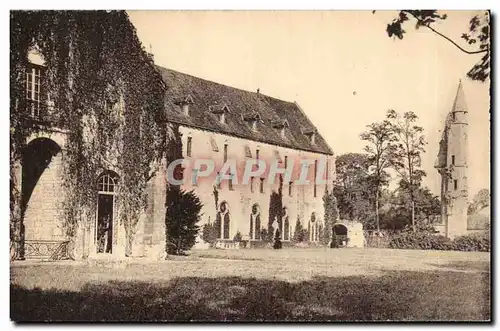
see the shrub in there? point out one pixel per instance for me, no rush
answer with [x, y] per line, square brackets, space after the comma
[300, 234]
[265, 235]
[209, 234]
[472, 243]
[428, 240]
[237, 237]
[420, 240]
[183, 212]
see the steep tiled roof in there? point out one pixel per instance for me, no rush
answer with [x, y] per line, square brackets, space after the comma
[207, 96]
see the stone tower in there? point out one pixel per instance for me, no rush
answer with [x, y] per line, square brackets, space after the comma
[452, 166]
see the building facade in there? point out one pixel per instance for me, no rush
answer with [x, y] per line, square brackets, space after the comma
[216, 122]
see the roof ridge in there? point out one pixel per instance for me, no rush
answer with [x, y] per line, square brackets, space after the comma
[225, 85]
[205, 92]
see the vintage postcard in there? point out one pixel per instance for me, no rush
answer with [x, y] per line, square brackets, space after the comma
[250, 166]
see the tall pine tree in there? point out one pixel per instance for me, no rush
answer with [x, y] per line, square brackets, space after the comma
[183, 214]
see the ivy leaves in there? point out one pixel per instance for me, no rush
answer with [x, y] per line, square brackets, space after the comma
[107, 95]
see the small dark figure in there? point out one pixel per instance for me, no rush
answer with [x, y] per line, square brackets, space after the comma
[104, 235]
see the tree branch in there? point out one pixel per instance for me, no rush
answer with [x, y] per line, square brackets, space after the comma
[447, 38]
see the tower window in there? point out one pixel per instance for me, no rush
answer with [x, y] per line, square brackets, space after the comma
[455, 184]
[189, 146]
[453, 159]
[315, 174]
[327, 169]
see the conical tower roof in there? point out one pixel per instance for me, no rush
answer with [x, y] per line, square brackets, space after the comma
[459, 104]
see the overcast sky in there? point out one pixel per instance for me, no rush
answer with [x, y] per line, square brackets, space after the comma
[340, 67]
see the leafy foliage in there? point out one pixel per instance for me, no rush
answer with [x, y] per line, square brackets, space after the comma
[397, 212]
[428, 240]
[380, 140]
[209, 233]
[237, 237]
[276, 206]
[300, 235]
[182, 216]
[420, 240]
[354, 189]
[480, 201]
[331, 216]
[474, 242]
[105, 92]
[266, 235]
[478, 34]
[405, 156]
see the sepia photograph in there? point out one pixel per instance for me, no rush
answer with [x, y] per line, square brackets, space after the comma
[250, 166]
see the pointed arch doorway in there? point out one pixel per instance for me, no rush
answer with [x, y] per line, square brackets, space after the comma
[107, 185]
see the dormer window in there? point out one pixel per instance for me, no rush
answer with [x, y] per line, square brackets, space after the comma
[311, 135]
[253, 119]
[281, 125]
[185, 109]
[184, 104]
[220, 111]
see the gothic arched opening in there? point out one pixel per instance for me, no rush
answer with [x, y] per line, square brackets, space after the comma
[223, 221]
[36, 158]
[107, 184]
[255, 222]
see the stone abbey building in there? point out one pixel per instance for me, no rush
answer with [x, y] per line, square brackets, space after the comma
[216, 122]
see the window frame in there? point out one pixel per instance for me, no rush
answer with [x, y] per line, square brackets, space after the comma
[34, 89]
[189, 146]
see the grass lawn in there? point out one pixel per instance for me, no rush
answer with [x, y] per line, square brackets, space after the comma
[260, 285]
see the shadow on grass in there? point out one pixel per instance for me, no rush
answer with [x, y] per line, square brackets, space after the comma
[475, 266]
[396, 296]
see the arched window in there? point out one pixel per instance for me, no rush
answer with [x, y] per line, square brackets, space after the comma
[255, 222]
[107, 183]
[222, 221]
[314, 227]
[105, 238]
